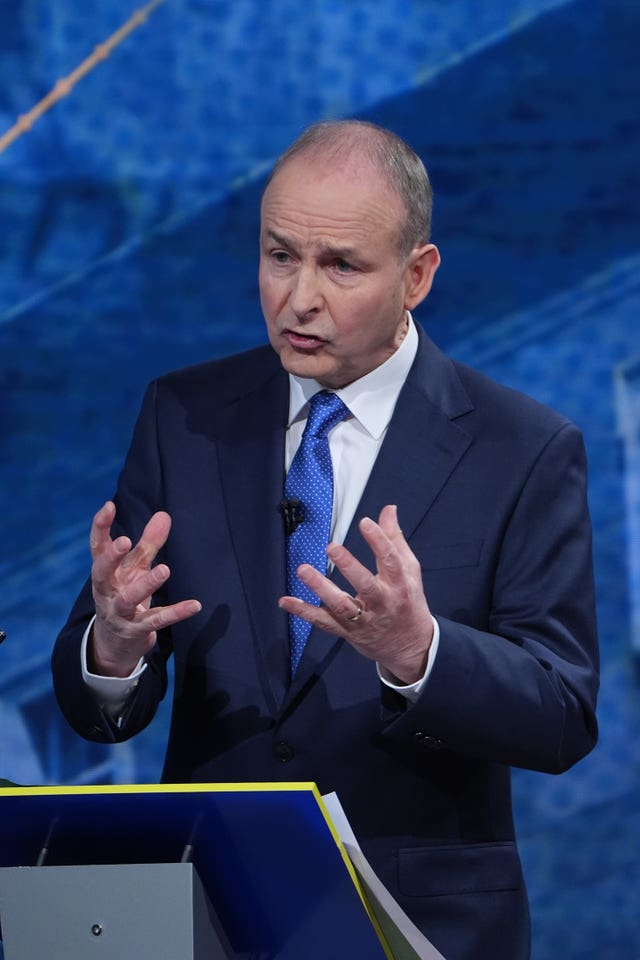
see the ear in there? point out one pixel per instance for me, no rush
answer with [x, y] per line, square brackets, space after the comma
[419, 273]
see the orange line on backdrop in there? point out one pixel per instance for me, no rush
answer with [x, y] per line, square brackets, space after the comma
[66, 84]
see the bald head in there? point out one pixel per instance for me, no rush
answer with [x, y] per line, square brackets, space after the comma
[334, 144]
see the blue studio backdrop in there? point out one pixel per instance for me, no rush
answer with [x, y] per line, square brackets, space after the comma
[128, 242]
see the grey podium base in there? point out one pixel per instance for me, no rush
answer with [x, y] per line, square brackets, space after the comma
[147, 911]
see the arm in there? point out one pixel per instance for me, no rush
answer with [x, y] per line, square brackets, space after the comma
[124, 579]
[526, 684]
[518, 687]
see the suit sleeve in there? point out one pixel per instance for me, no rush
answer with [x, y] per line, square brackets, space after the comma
[138, 496]
[523, 691]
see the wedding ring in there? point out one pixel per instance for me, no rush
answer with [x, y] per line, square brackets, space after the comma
[358, 612]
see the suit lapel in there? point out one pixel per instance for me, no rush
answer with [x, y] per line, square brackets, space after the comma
[251, 459]
[422, 448]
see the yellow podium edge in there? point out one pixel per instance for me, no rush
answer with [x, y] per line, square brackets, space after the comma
[251, 787]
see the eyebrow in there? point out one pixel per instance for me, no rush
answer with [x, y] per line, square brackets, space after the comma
[326, 249]
[273, 235]
[340, 253]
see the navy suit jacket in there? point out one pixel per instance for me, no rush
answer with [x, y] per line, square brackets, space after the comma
[491, 491]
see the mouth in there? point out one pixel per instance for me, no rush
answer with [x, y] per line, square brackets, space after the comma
[303, 341]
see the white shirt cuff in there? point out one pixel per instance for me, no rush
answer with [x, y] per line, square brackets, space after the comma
[110, 692]
[411, 691]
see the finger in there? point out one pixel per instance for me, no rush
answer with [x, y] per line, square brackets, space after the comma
[387, 559]
[337, 607]
[340, 605]
[319, 617]
[360, 578]
[107, 554]
[153, 538]
[388, 522]
[106, 563]
[159, 618]
[100, 535]
[324, 588]
[148, 621]
[138, 592]
[118, 652]
[393, 554]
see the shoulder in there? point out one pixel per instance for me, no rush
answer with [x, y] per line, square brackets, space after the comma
[206, 395]
[517, 430]
[486, 409]
[493, 399]
[229, 376]
[221, 382]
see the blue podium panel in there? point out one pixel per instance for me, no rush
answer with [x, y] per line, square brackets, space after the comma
[266, 854]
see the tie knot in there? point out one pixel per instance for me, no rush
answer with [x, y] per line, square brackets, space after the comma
[325, 410]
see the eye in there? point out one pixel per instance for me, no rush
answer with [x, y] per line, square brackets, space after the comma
[342, 266]
[280, 256]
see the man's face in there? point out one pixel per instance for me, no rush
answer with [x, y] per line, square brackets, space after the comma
[333, 289]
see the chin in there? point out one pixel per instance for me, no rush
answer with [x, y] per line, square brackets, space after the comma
[304, 365]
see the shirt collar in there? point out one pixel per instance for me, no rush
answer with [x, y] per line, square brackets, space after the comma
[372, 398]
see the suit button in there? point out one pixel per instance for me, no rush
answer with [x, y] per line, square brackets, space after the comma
[425, 740]
[283, 751]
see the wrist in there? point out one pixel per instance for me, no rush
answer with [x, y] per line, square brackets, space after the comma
[407, 673]
[101, 661]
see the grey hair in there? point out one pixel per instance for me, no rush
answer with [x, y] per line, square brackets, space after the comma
[401, 167]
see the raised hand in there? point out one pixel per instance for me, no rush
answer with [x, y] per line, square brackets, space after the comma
[123, 580]
[388, 619]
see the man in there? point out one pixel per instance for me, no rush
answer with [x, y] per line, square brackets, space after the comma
[453, 631]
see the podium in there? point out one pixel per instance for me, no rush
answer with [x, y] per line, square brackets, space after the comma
[178, 872]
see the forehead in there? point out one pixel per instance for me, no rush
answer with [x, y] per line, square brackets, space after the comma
[314, 198]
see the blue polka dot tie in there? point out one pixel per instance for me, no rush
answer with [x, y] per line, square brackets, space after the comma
[310, 480]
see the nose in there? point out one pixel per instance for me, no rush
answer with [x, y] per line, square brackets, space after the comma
[306, 296]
